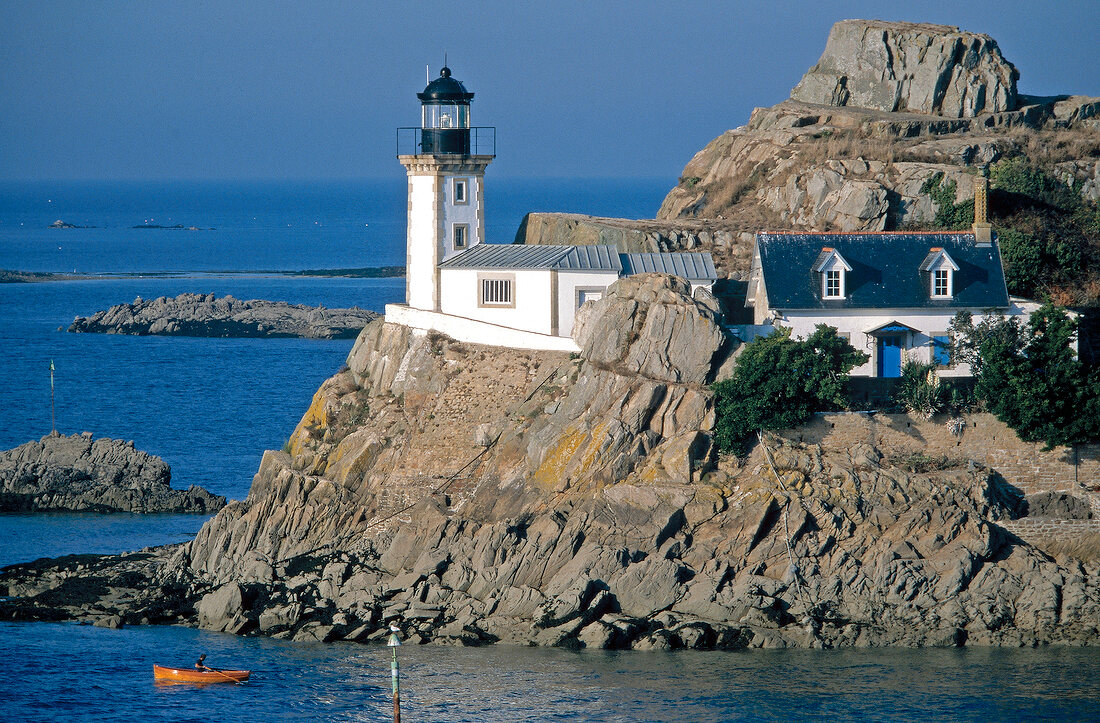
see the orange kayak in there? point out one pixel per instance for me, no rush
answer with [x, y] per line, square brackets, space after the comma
[194, 675]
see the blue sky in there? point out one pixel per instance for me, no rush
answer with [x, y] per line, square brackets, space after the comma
[302, 90]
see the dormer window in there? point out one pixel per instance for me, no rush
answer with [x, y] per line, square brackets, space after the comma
[941, 282]
[941, 269]
[833, 270]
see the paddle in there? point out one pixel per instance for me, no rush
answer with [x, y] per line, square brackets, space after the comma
[227, 677]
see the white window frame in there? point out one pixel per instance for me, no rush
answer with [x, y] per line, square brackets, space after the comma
[457, 230]
[496, 291]
[587, 290]
[460, 191]
[825, 278]
[948, 279]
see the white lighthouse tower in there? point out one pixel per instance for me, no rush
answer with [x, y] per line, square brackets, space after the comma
[446, 191]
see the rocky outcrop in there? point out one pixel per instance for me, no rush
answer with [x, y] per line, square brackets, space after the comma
[915, 67]
[912, 103]
[730, 249]
[80, 474]
[205, 315]
[479, 494]
[841, 169]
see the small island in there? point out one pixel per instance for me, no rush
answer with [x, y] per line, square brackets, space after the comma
[76, 473]
[64, 224]
[174, 227]
[205, 315]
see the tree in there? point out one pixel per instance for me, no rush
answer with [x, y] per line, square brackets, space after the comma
[780, 383]
[1029, 377]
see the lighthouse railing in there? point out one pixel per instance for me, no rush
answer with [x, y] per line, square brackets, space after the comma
[483, 141]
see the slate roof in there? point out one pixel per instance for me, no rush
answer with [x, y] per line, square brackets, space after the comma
[886, 270]
[597, 257]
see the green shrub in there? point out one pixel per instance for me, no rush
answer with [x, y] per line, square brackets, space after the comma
[780, 383]
[1016, 175]
[949, 215]
[1022, 254]
[1028, 376]
[919, 389]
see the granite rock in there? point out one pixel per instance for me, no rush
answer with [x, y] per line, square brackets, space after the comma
[80, 474]
[208, 316]
[915, 67]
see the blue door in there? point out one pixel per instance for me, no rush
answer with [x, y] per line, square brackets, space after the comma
[889, 355]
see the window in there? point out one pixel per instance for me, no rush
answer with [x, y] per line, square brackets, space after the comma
[941, 282]
[940, 353]
[832, 267]
[459, 234]
[458, 191]
[496, 290]
[589, 294]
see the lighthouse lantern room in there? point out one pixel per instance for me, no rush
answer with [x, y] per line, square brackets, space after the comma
[446, 194]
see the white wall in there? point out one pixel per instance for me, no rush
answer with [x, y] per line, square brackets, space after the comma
[568, 283]
[532, 293]
[857, 322]
[466, 213]
[476, 332]
[422, 250]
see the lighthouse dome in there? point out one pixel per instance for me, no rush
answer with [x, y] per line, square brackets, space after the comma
[445, 89]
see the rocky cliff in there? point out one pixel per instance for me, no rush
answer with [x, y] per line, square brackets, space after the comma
[205, 315]
[478, 494]
[80, 474]
[887, 132]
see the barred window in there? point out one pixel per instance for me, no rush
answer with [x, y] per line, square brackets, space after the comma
[496, 292]
[460, 232]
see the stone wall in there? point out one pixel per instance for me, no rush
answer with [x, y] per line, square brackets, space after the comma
[987, 441]
[983, 439]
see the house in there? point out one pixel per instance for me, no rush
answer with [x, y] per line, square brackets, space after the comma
[891, 295]
[523, 296]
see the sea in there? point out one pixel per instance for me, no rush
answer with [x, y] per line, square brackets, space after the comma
[210, 407]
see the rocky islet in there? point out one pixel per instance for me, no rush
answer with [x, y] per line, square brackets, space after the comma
[590, 512]
[480, 494]
[78, 473]
[208, 316]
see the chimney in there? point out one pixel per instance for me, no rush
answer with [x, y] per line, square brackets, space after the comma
[983, 232]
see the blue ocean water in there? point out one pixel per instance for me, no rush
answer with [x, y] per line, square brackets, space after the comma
[211, 406]
[105, 675]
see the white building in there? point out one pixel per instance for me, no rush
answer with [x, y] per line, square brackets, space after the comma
[524, 296]
[892, 295]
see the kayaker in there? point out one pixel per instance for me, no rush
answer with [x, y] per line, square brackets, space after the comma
[201, 664]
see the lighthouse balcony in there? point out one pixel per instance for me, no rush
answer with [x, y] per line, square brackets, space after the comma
[476, 141]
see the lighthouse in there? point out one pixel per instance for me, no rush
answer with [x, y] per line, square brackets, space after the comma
[445, 159]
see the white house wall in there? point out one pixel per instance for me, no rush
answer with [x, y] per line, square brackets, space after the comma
[568, 284]
[856, 323]
[532, 293]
